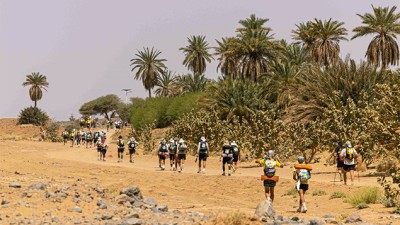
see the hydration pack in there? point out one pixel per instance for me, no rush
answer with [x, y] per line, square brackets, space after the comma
[203, 146]
[269, 168]
[121, 143]
[349, 153]
[132, 145]
[235, 150]
[303, 175]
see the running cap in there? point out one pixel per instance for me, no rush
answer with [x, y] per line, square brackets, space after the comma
[234, 143]
[203, 138]
[271, 153]
[348, 144]
[300, 159]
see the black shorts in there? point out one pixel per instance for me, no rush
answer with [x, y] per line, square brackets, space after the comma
[171, 156]
[303, 187]
[99, 149]
[349, 167]
[121, 149]
[181, 156]
[227, 160]
[162, 157]
[235, 158]
[104, 151]
[132, 151]
[339, 164]
[203, 156]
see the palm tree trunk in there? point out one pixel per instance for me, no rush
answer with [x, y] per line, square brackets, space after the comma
[149, 92]
[35, 103]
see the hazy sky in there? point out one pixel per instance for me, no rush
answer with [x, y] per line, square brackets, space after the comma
[84, 47]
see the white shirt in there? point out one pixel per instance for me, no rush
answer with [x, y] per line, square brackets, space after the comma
[346, 160]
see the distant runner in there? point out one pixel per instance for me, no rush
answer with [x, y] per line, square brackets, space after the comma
[172, 149]
[65, 136]
[269, 163]
[182, 149]
[350, 155]
[121, 148]
[301, 174]
[162, 154]
[236, 155]
[226, 156]
[202, 153]
[339, 160]
[72, 137]
[132, 148]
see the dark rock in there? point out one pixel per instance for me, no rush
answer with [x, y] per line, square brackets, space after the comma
[294, 218]
[162, 208]
[133, 192]
[106, 216]
[48, 194]
[103, 206]
[47, 213]
[315, 222]
[38, 186]
[14, 185]
[132, 215]
[280, 218]
[137, 204]
[4, 201]
[100, 202]
[353, 218]
[99, 189]
[24, 194]
[55, 219]
[265, 210]
[121, 199]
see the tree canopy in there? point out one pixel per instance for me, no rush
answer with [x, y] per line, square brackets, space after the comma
[105, 105]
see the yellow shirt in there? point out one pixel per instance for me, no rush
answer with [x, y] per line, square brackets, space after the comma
[277, 163]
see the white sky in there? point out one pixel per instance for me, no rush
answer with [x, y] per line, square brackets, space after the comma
[84, 47]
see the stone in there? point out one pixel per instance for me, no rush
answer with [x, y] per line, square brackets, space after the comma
[133, 192]
[48, 194]
[133, 221]
[121, 199]
[149, 203]
[76, 209]
[38, 186]
[14, 185]
[294, 218]
[103, 206]
[162, 208]
[106, 216]
[132, 215]
[265, 210]
[328, 216]
[4, 201]
[315, 222]
[100, 202]
[353, 218]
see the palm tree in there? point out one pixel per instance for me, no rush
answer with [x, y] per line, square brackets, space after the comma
[252, 24]
[191, 83]
[165, 84]
[196, 54]
[304, 34]
[37, 82]
[228, 60]
[325, 49]
[385, 24]
[148, 66]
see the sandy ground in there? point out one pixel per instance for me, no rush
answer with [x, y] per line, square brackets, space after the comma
[29, 161]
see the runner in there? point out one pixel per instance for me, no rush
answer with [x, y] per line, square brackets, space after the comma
[162, 153]
[180, 160]
[226, 157]
[172, 147]
[202, 153]
[121, 148]
[339, 160]
[89, 139]
[99, 145]
[236, 155]
[104, 148]
[301, 174]
[350, 155]
[72, 137]
[269, 162]
[78, 138]
[82, 122]
[132, 148]
[65, 136]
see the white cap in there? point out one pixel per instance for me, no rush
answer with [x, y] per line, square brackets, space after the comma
[348, 144]
[203, 138]
[171, 140]
[271, 153]
[181, 140]
[233, 143]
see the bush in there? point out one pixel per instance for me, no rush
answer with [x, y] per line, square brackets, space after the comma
[33, 116]
[368, 195]
[162, 111]
[337, 194]
[235, 218]
[391, 192]
[52, 132]
[291, 191]
[386, 165]
[318, 193]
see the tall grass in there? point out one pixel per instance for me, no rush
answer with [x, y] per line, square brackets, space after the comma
[367, 195]
[234, 218]
[337, 194]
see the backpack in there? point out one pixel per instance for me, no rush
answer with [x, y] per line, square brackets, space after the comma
[132, 144]
[235, 150]
[349, 153]
[269, 168]
[121, 143]
[203, 146]
[303, 175]
[163, 147]
[183, 147]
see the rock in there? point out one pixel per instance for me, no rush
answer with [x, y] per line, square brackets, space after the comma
[328, 216]
[121, 199]
[132, 215]
[137, 204]
[76, 209]
[100, 202]
[103, 206]
[48, 194]
[162, 208]
[14, 185]
[265, 210]
[133, 221]
[64, 187]
[47, 213]
[133, 192]
[294, 218]
[99, 189]
[55, 219]
[353, 218]
[315, 222]
[106, 216]
[38, 186]
[62, 194]
[4, 201]
[149, 203]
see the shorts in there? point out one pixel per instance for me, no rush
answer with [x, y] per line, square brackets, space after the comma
[181, 156]
[235, 158]
[269, 183]
[203, 156]
[104, 151]
[349, 167]
[99, 149]
[172, 157]
[227, 160]
[162, 157]
[339, 164]
[132, 151]
[303, 187]
[121, 149]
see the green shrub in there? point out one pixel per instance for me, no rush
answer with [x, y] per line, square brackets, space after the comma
[162, 111]
[318, 193]
[292, 191]
[368, 195]
[52, 132]
[337, 194]
[33, 116]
